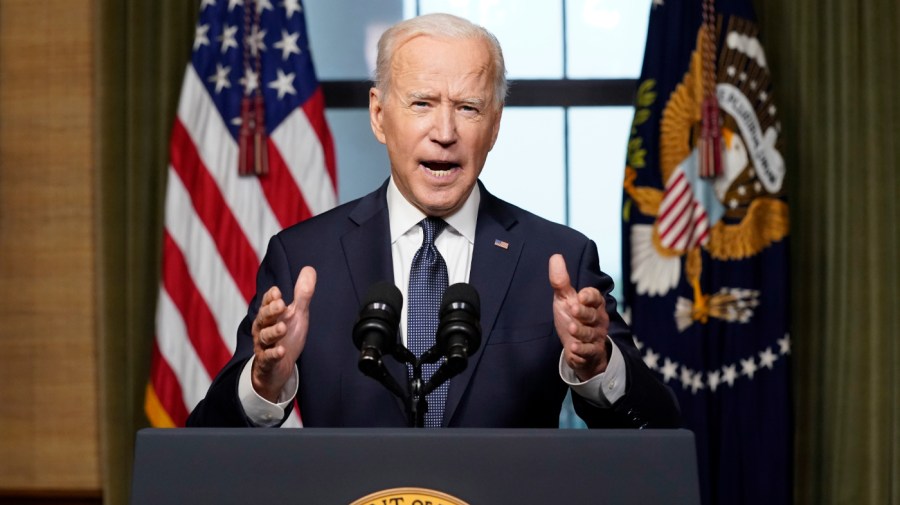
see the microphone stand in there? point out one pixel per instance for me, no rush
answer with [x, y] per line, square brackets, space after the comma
[416, 402]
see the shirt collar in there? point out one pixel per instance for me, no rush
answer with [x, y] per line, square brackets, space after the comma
[404, 215]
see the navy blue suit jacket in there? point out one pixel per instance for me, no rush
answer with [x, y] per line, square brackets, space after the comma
[513, 378]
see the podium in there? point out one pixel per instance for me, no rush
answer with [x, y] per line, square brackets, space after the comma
[319, 466]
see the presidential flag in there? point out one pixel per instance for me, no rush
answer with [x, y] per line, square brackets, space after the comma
[250, 154]
[705, 243]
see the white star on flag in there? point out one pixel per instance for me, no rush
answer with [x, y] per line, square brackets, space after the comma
[669, 370]
[288, 44]
[284, 84]
[748, 367]
[207, 3]
[227, 38]
[651, 359]
[687, 377]
[697, 382]
[200, 37]
[221, 77]
[784, 344]
[250, 81]
[256, 40]
[291, 6]
[234, 3]
[262, 5]
[713, 380]
[730, 375]
[767, 358]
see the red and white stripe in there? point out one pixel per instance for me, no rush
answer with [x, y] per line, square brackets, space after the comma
[682, 223]
[217, 226]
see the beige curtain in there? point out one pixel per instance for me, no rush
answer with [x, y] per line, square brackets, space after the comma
[836, 67]
[143, 48]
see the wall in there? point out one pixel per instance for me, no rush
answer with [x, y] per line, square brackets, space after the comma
[49, 442]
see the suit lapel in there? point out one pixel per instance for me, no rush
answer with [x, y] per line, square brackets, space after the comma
[367, 250]
[367, 247]
[496, 253]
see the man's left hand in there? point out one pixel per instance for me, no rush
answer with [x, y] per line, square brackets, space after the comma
[581, 322]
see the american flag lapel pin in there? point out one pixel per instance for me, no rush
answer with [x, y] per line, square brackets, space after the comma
[501, 244]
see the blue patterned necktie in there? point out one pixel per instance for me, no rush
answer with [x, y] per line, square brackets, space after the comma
[427, 282]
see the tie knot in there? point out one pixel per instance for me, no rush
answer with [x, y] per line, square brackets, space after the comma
[432, 226]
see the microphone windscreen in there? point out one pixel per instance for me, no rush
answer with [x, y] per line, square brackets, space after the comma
[461, 293]
[387, 293]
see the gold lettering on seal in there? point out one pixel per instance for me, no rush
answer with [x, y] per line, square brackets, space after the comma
[408, 496]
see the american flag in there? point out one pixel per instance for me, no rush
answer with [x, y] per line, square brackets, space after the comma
[246, 53]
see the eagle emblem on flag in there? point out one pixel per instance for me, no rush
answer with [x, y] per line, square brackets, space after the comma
[732, 216]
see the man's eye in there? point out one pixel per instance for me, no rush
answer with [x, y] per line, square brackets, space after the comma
[420, 104]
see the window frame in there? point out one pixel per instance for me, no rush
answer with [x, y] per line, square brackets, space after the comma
[352, 94]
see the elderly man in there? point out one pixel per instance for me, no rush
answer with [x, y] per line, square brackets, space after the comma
[548, 320]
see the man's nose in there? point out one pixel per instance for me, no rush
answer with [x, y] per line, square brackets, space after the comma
[443, 131]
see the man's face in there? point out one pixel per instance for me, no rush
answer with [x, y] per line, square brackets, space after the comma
[438, 120]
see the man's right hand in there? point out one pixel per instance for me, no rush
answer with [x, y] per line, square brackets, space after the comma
[279, 335]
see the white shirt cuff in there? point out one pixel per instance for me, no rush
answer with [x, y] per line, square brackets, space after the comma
[603, 389]
[260, 411]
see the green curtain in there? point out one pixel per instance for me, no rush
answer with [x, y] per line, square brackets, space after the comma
[142, 50]
[836, 68]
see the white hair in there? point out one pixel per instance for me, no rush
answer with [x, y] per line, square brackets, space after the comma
[443, 26]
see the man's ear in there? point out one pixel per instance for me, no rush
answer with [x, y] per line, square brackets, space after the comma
[376, 113]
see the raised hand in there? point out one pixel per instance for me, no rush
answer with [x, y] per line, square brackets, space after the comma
[279, 335]
[581, 322]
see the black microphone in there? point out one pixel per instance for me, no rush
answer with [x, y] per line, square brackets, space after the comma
[375, 331]
[458, 334]
[459, 331]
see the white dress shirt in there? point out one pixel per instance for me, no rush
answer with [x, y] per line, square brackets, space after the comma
[456, 244]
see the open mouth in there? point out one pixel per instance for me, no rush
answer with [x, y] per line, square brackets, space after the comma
[439, 168]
